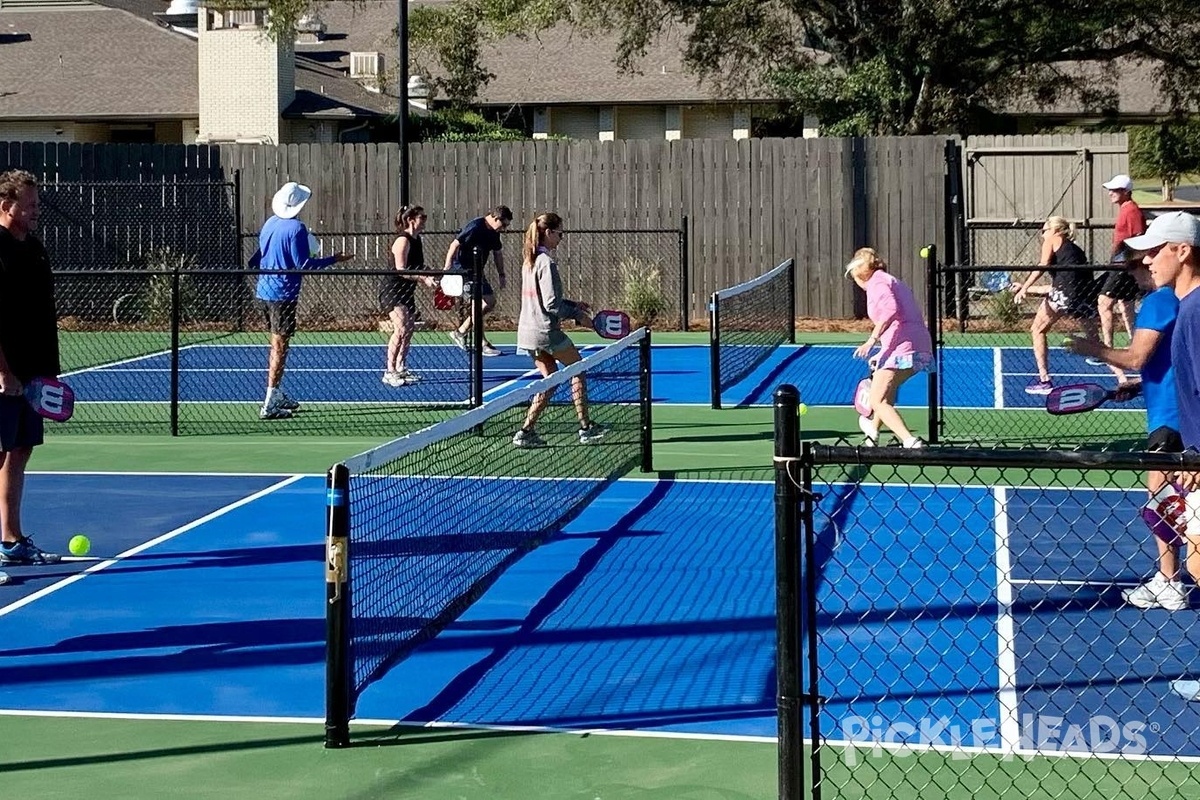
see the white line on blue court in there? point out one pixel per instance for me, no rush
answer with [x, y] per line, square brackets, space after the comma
[65, 582]
[997, 378]
[116, 363]
[1006, 635]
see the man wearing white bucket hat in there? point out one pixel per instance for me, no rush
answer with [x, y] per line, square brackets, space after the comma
[284, 249]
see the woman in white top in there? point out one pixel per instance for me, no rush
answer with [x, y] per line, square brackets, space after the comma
[539, 328]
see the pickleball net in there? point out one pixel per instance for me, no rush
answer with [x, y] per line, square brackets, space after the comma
[421, 527]
[747, 323]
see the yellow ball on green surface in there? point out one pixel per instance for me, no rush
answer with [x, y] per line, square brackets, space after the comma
[79, 545]
[802, 409]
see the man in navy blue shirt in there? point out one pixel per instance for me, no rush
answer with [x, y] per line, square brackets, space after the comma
[1169, 246]
[479, 238]
[283, 251]
[1149, 352]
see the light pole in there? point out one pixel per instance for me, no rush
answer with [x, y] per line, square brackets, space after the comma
[402, 78]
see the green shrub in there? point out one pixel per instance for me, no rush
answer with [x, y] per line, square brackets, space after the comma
[642, 293]
[151, 304]
[1004, 310]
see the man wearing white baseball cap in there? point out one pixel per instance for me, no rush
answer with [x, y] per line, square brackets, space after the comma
[284, 250]
[1119, 290]
[1171, 248]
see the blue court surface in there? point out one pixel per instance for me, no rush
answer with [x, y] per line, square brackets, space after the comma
[973, 377]
[652, 611]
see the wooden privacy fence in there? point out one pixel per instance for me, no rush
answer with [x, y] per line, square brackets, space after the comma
[749, 204]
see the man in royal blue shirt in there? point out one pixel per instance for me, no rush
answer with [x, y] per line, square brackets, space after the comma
[1149, 353]
[477, 240]
[283, 251]
[1169, 246]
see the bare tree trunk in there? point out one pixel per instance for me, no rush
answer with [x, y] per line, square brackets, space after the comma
[1168, 191]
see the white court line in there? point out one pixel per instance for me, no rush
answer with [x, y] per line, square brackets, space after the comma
[116, 363]
[1074, 584]
[54, 587]
[332, 370]
[1006, 658]
[997, 378]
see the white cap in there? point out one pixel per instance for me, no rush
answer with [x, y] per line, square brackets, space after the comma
[290, 199]
[1118, 183]
[1177, 227]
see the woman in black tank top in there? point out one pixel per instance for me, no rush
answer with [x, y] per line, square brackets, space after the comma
[1072, 294]
[396, 293]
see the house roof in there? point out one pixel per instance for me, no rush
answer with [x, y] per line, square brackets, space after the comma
[1137, 90]
[60, 64]
[582, 68]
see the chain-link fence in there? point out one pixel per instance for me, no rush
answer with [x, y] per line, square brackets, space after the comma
[641, 272]
[186, 351]
[138, 225]
[990, 381]
[970, 623]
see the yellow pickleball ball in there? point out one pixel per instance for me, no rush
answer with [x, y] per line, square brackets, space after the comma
[79, 545]
[802, 409]
[924, 252]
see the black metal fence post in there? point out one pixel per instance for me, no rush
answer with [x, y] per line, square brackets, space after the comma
[684, 287]
[176, 313]
[647, 393]
[787, 594]
[933, 319]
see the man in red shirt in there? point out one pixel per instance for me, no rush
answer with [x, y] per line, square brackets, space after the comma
[1119, 290]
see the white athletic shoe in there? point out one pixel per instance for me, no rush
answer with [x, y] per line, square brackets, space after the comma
[392, 379]
[915, 443]
[1158, 592]
[870, 430]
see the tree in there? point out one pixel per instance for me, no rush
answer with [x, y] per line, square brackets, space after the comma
[862, 66]
[1166, 151]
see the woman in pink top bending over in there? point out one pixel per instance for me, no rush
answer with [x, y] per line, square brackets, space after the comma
[904, 344]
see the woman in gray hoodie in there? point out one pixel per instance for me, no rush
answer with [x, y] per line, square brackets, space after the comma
[539, 328]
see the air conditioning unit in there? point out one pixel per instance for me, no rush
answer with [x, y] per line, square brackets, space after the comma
[366, 65]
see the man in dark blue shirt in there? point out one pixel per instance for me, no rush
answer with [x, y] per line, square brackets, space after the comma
[479, 238]
[1169, 247]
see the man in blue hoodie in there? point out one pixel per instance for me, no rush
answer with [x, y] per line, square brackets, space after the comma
[283, 251]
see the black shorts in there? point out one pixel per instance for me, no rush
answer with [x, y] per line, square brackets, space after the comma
[20, 426]
[1120, 285]
[396, 291]
[1164, 440]
[281, 317]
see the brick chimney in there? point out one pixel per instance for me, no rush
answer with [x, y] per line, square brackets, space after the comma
[246, 78]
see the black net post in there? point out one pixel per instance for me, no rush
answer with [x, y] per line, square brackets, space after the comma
[684, 289]
[714, 344]
[791, 301]
[476, 312]
[935, 334]
[337, 608]
[787, 594]
[647, 403]
[176, 312]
